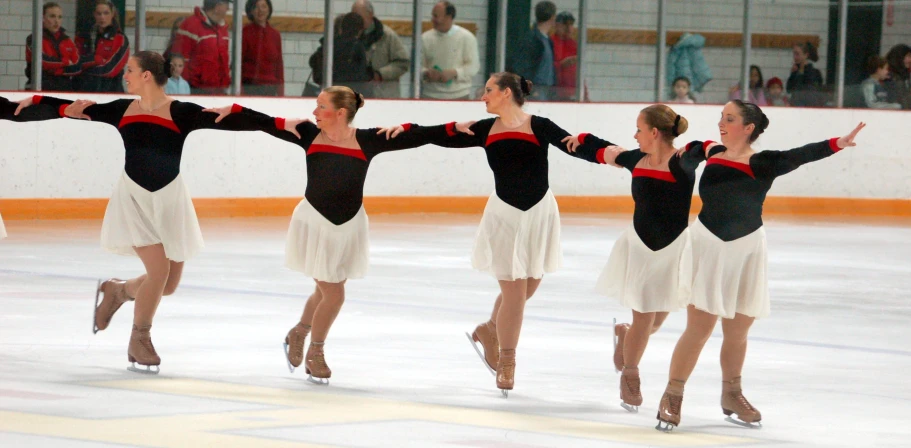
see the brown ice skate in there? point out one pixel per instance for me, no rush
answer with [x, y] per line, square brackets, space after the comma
[294, 345]
[669, 408]
[506, 371]
[114, 294]
[630, 394]
[316, 366]
[733, 402]
[142, 351]
[619, 337]
[486, 335]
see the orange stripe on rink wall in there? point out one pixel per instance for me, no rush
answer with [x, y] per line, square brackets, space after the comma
[12, 209]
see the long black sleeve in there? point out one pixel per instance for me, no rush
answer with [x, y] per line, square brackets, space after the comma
[414, 136]
[779, 163]
[554, 135]
[36, 112]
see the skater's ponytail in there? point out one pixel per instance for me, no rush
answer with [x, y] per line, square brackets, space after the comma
[669, 123]
[752, 114]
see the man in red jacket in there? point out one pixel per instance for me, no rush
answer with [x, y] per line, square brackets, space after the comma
[565, 55]
[59, 55]
[203, 41]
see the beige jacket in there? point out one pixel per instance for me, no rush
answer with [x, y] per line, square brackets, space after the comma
[388, 56]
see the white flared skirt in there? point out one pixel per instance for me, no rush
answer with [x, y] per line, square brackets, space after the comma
[512, 244]
[325, 251]
[729, 277]
[2, 229]
[648, 281]
[136, 217]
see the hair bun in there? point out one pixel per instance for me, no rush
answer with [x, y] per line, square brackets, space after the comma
[359, 99]
[526, 86]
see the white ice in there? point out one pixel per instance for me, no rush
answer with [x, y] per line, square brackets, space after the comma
[828, 368]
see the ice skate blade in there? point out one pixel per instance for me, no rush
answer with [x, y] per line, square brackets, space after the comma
[318, 381]
[629, 407]
[480, 355]
[757, 425]
[95, 329]
[288, 357]
[613, 331]
[147, 371]
[668, 427]
[505, 393]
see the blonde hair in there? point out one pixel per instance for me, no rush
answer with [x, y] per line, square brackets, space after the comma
[343, 97]
[669, 123]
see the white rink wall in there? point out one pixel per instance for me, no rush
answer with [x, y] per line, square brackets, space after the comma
[72, 159]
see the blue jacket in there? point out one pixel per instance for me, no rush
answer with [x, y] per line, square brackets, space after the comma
[686, 59]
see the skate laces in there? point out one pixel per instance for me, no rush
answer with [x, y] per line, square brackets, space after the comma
[674, 403]
[741, 400]
[633, 384]
[145, 341]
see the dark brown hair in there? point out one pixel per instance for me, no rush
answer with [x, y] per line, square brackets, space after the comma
[115, 16]
[669, 123]
[50, 5]
[875, 63]
[152, 62]
[251, 5]
[810, 50]
[519, 86]
[752, 114]
[343, 97]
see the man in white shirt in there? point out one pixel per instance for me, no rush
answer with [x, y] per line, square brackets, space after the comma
[450, 55]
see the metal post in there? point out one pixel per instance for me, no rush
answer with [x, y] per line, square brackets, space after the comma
[140, 25]
[237, 49]
[747, 44]
[582, 42]
[842, 42]
[37, 42]
[328, 47]
[661, 50]
[417, 57]
[501, 35]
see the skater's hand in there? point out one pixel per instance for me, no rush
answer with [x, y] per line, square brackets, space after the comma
[77, 109]
[611, 153]
[572, 142]
[391, 131]
[848, 140]
[291, 125]
[221, 111]
[465, 127]
[23, 104]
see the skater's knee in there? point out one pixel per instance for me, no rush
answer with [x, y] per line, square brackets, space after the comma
[658, 322]
[169, 289]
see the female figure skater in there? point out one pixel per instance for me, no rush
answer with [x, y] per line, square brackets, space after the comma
[150, 213]
[327, 239]
[728, 278]
[519, 236]
[645, 266]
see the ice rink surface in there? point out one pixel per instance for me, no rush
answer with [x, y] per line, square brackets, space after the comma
[829, 368]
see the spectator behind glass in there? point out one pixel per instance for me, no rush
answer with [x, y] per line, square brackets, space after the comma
[349, 63]
[203, 40]
[775, 89]
[566, 57]
[386, 56]
[899, 83]
[175, 27]
[875, 95]
[757, 95]
[262, 69]
[59, 54]
[805, 82]
[105, 51]
[176, 84]
[450, 56]
[681, 93]
[535, 58]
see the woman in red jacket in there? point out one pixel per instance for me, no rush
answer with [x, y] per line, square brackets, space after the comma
[59, 55]
[105, 50]
[203, 40]
[263, 71]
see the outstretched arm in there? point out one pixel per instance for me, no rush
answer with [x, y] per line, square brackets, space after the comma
[593, 149]
[449, 135]
[109, 113]
[783, 162]
[238, 118]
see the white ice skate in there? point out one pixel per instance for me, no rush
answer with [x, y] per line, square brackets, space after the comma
[481, 355]
[147, 371]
